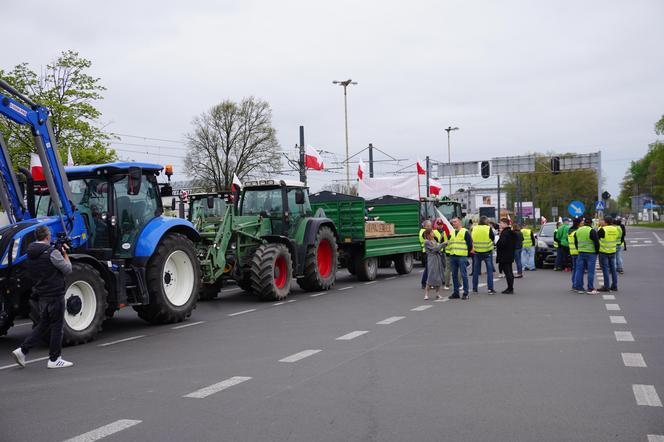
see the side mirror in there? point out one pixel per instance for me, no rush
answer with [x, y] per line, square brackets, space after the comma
[134, 180]
[299, 196]
[173, 204]
[166, 190]
[210, 202]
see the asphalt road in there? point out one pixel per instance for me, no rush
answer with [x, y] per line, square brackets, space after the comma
[542, 365]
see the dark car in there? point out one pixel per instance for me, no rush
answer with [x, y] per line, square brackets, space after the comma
[544, 252]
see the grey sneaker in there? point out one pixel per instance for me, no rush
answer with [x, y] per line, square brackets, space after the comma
[19, 357]
[59, 363]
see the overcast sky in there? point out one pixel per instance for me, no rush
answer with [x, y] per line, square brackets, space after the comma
[514, 76]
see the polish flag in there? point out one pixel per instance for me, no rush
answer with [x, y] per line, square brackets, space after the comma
[435, 187]
[420, 169]
[312, 159]
[360, 169]
[237, 184]
[36, 168]
[443, 222]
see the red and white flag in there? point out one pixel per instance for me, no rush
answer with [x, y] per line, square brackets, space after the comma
[237, 184]
[443, 222]
[435, 187]
[36, 168]
[312, 159]
[420, 169]
[360, 169]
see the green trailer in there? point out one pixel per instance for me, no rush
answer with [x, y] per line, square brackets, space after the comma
[372, 233]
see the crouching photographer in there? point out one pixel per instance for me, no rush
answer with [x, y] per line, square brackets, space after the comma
[50, 264]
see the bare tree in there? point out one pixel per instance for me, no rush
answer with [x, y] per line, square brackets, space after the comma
[232, 138]
[341, 188]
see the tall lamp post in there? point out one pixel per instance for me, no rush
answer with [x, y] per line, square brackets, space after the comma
[345, 85]
[449, 154]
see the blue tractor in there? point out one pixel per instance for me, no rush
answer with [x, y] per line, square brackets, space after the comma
[123, 251]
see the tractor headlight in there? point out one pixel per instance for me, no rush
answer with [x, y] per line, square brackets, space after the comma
[13, 251]
[542, 245]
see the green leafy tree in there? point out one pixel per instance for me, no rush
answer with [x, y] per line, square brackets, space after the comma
[70, 93]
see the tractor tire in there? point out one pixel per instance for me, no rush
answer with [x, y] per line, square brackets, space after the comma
[173, 278]
[320, 263]
[85, 304]
[367, 269]
[271, 272]
[210, 291]
[403, 263]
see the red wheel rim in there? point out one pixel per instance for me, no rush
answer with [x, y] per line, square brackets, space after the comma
[324, 258]
[280, 272]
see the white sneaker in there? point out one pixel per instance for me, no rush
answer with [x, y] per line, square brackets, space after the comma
[447, 287]
[59, 363]
[19, 356]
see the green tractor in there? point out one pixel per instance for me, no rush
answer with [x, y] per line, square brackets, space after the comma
[267, 238]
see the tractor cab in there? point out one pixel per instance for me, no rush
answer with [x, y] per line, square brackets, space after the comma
[282, 204]
[206, 210]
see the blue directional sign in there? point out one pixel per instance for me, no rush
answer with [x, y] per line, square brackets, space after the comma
[599, 206]
[576, 208]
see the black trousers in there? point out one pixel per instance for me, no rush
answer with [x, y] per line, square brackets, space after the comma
[506, 268]
[51, 322]
[425, 273]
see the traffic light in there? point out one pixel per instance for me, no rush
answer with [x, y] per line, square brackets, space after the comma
[486, 171]
[555, 165]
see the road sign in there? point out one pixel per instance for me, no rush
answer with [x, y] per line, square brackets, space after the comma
[576, 208]
[599, 206]
[554, 211]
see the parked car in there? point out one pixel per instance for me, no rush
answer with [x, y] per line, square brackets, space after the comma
[544, 252]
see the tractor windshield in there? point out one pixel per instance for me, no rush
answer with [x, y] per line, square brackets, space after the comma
[133, 212]
[200, 209]
[261, 200]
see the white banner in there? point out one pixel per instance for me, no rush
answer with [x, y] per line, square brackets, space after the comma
[403, 186]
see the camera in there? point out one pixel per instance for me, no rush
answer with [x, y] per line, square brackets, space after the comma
[60, 241]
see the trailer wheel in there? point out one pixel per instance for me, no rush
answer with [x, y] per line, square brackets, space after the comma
[210, 291]
[173, 278]
[367, 268]
[271, 272]
[403, 263]
[85, 304]
[320, 263]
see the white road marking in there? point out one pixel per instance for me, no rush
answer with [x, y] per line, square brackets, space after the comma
[624, 336]
[4, 367]
[23, 324]
[390, 278]
[234, 289]
[216, 388]
[390, 320]
[641, 245]
[618, 320]
[481, 284]
[442, 300]
[104, 431]
[132, 338]
[187, 325]
[345, 288]
[609, 297]
[370, 282]
[299, 356]
[421, 308]
[613, 307]
[646, 395]
[655, 438]
[633, 360]
[647, 241]
[633, 242]
[285, 302]
[658, 238]
[318, 294]
[242, 312]
[352, 335]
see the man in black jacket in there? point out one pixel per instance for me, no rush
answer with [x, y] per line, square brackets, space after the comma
[50, 265]
[505, 248]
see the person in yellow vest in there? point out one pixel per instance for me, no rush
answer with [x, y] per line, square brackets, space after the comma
[609, 238]
[483, 244]
[587, 244]
[426, 227]
[528, 249]
[576, 223]
[459, 246]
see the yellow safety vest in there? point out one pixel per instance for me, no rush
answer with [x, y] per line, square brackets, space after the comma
[555, 243]
[436, 235]
[457, 245]
[481, 240]
[527, 241]
[610, 241]
[583, 238]
[572, 247]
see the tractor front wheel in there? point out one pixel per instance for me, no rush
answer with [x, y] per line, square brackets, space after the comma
[271, 272]
[320, 263]
[85, 304]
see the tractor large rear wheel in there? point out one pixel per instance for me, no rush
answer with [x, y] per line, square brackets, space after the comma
[173, 278]
[85, 304]
[271, 272]
[320, 263]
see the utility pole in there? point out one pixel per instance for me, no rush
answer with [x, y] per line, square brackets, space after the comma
[518, 200]
[345, 85]
[498, 212]
[427, 165]
[303, 170]
[449, 153]
[371, 148]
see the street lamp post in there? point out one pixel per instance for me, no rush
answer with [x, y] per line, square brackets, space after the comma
[449, 153]
[345, 85]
